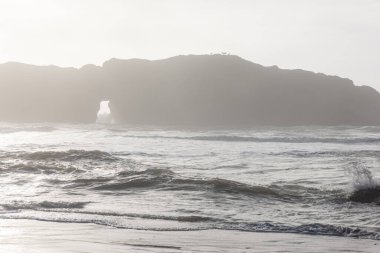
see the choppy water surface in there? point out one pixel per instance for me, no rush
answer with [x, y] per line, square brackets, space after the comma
[300, 180]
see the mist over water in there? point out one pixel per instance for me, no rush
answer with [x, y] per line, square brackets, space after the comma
[263, 179]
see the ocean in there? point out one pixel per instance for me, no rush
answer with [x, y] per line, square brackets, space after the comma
[305, 180]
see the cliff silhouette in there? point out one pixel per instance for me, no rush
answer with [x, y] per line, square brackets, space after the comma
[204, 90]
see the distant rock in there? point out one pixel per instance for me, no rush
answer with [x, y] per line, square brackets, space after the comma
[230, 91]
[366, 195]
[48, 94]
[205, 90]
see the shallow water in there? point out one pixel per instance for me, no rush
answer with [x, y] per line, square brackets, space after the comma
[299, 180]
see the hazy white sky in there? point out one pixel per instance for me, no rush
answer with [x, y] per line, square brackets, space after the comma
[340, 37]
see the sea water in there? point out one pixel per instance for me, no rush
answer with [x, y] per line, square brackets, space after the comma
[310, 180]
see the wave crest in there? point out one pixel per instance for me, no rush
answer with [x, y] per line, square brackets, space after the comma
[70, 155]
[39, 169]
[18, 205]
[366, 189]
[312, 229]
[165, 179]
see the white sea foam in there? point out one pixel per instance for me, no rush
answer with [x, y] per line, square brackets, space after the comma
[362, 177]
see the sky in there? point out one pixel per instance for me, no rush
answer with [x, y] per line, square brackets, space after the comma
[337, 37]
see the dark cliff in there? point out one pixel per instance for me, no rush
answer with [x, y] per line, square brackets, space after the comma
[207, 90]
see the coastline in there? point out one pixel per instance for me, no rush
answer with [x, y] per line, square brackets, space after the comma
[40, 236]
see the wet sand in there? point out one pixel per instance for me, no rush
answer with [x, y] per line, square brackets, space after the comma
[39, 236]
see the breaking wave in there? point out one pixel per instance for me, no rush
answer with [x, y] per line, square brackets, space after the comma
[32, 168]
[164, 179]
[69, 155]
[130, 181]
[201, 223]
[17, 205]
[365, 188]
[312, 229]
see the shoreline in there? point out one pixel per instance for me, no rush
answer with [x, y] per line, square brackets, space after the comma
[43, 236]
